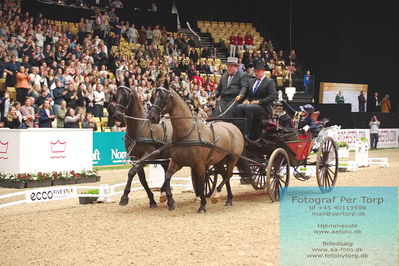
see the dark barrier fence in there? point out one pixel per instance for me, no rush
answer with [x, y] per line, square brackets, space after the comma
[340, 114]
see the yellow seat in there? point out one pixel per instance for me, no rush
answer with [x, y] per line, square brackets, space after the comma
[12, 92]
[99, 127]
[279, 81]
[217, 78]
[104, 122]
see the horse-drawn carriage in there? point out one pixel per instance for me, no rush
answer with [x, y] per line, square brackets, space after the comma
[276, 159]
[215, 148]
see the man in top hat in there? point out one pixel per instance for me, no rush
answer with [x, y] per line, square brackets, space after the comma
[260, 96]
[231, 89]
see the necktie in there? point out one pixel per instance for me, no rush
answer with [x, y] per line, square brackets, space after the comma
[255, 88]
[229, 80]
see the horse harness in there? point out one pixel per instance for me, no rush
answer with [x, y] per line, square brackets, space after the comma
[141, 140]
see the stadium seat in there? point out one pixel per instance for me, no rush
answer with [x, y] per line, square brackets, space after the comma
[12, 92]
[279, 81]
[104, 122]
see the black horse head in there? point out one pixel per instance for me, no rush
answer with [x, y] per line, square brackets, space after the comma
[123, 99]
[162, 103]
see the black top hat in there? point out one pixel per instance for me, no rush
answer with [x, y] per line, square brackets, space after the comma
[260, 66]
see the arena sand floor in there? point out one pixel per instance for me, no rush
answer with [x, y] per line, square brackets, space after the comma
[66, 233]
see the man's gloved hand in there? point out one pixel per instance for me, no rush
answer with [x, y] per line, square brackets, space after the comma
[239, 98]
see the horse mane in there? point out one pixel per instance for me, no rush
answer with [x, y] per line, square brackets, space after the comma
[179, 98]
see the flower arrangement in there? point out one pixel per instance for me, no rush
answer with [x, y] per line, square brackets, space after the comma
[40, 176]
[342, 144]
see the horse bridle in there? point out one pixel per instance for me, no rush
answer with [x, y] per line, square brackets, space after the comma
[129, 92]
[161, 108]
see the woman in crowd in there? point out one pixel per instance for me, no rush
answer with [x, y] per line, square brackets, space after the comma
[72, 119]
[35, 91]
[89, 98]
[12, 120]
[80, 102]
[22, 84]
[46, 115]
[88, 122]
[28, 113]
[71, 96]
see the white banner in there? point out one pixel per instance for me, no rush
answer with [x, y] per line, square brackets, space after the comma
[45, 150]
[388, 137]
[50, 194]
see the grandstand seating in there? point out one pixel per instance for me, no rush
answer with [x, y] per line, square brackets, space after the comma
[221, 31]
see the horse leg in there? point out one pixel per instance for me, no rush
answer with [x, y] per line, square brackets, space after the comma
[125, 197]
[173, 168]
[219, 168]
[194, 182]
[162, 197]
[150, 195]
[229, 173]
[200, 175]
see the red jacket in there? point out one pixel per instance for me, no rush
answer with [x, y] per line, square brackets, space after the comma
[233, 40]
[248, 40]
[240, 40]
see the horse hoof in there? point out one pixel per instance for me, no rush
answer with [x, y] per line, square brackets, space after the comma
[153, 205]
[172, 206]
[201, 210]
[228, 204]
[123, 202]
[214, 200]
[163, 197]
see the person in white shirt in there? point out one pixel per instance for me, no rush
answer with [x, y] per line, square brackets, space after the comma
[132, 34]
[374, 126]
[35, 78]
[99, 97]
[39, 38]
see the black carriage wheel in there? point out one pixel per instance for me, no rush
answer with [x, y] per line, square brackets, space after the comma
[278, 174]
[258, 176]
[211, 181]
[327, 165]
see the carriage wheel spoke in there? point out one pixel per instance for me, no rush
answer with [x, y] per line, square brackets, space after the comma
[331, 171]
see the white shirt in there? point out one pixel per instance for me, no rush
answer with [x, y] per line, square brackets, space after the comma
[99, 97]
[35, 79]
[374, 127]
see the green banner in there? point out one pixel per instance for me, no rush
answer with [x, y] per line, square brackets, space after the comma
[108, 148]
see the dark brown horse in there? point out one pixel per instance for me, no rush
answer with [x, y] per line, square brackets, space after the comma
[193, 145]
[141, 138]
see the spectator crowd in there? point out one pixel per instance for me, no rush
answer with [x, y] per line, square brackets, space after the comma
[66, 78]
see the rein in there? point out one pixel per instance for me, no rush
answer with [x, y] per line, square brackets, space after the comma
[228, 108]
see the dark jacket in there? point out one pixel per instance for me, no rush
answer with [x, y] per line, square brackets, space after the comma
[238, 86]
[58, 97]
[44, 119]
[15, 123]
[266, 92]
